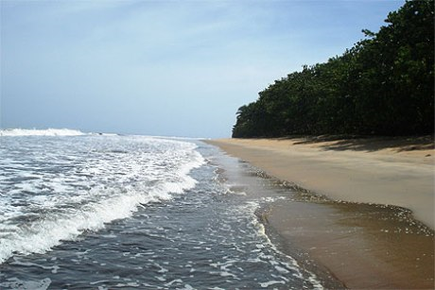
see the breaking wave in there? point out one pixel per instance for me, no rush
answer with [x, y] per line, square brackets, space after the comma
[52, 191]
[38, 132]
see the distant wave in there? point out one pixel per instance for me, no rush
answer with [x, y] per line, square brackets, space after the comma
[37, 132]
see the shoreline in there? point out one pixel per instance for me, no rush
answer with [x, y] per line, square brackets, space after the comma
[364, 244]
[397, 176]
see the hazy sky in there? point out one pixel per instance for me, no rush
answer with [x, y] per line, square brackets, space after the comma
[171, 68]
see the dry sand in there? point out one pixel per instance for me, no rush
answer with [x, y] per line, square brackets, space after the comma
[396, 172]
[365, 246]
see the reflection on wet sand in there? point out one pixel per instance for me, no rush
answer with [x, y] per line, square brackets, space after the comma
[365, 246]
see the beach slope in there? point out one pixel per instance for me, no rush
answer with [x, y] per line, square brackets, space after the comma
[360, 240]
[387, 171]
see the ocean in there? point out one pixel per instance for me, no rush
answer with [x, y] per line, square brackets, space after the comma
[106, 211]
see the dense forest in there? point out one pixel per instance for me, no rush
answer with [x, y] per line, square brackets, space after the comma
[383, 85]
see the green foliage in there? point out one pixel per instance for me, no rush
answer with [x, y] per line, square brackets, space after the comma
[384, 85]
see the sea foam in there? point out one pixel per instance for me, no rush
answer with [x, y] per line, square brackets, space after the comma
[53, 191]
[37, 132]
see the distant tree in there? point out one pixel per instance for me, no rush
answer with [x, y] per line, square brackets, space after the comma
[384, 85]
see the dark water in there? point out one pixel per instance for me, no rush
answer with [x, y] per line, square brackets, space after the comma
[208, 235]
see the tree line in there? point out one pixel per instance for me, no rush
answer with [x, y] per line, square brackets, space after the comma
[383, 85]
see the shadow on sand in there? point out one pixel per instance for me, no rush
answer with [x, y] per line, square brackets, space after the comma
[366, 143]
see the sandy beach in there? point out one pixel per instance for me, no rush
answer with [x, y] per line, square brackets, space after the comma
[381, 171]
[374, 228]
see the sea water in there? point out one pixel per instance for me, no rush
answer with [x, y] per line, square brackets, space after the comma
[100, 211]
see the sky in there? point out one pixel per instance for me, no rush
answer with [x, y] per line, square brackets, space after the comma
[162, 67]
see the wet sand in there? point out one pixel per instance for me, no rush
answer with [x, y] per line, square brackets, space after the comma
[364, 246]
[360, 240]
[393, 172]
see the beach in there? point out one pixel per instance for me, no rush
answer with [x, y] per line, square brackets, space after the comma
[107, 211]
[372, 219]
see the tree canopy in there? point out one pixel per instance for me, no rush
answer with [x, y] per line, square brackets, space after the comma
[383, 85]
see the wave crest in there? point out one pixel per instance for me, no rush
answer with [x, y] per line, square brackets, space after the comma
[39, 132]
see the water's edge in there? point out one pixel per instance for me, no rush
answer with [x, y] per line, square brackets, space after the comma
[243, 177]
[345, 244]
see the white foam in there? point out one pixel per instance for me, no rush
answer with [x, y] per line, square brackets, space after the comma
[15, 283]
[269, 283]
[291, 263]
[37, 132]
[45, 234]
[104, 185]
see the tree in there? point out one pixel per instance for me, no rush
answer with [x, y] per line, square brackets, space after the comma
[384, 85]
